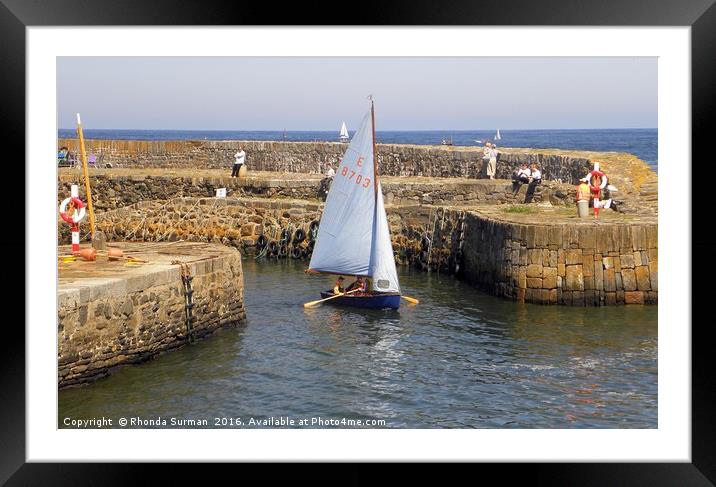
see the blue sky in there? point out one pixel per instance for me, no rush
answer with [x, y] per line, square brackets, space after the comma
[276, 93]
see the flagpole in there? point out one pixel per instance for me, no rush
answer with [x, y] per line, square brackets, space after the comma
[88, 191]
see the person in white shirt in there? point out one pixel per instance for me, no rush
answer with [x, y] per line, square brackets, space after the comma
[536, 175]
[329, 171]
[535, 179]
[240, 159]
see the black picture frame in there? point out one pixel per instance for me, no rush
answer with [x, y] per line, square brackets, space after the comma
[700, 15]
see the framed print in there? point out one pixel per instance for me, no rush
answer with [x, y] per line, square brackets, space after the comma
[419, 237]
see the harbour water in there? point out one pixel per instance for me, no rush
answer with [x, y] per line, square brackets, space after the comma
[460, 359]
[640, 142]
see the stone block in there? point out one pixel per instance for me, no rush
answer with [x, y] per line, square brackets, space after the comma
[573, 257]
[653, 275]
[522, 277]
[643, 283]
[626, 261]
[587, 265]
[633, 297]
[534, 270]
[534, 256]
[610, 299]
[587, 238]
[553, 258]
[628, 280]
[574, 278]
[588, 282]
[598, 275]
[534, 282]
[552, 296]
[609, 280]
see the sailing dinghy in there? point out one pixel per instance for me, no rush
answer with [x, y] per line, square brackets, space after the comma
[344, 133]
[353, 236]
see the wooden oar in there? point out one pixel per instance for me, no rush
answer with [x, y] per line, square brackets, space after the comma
[409, 299]
[313, 303]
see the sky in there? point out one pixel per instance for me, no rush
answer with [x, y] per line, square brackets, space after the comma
[312, 93]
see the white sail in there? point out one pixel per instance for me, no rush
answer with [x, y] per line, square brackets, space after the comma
[353, 236]
[497, 136]
[382, 263]
[344, 131]
[345, 235]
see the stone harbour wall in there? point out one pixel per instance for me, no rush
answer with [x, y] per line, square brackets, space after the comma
[576, 264]
[580, 263]
[131, 320]
[111, 191]
[312, 157]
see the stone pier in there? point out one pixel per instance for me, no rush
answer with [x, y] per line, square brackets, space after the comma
[116, 313]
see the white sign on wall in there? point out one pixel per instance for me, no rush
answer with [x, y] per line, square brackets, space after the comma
[221, 193]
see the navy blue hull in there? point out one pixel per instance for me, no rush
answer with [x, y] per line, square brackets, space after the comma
[375, 301]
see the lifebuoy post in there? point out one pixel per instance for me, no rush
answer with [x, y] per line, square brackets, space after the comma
[88, 191]
[76, 215]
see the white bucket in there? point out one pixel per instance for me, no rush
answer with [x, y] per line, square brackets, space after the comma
[583, 208]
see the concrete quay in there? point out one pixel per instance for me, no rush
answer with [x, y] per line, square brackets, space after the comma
[116, 313]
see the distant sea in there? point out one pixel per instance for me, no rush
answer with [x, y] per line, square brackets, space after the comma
[640, 142]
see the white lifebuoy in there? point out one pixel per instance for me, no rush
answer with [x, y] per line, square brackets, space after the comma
[77, 215]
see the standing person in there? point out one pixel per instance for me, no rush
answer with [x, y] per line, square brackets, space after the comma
[240, 159]
[486, 156]
[492, 163]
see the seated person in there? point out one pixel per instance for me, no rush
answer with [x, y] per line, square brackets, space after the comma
[535, 179]
[522, 175]
[338, 288]
[92, 159]
[536, 175]
[360, 283]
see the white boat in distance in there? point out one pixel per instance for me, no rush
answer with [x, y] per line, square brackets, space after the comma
[497, 135]
[344, 133]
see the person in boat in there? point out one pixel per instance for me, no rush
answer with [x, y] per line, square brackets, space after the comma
[338, 287]
[360, 283]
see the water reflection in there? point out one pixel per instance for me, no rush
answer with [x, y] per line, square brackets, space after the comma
[459, 359]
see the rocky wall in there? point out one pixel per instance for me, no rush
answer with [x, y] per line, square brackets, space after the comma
[111, 191]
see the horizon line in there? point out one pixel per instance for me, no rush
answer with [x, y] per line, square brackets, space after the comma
[384, 130]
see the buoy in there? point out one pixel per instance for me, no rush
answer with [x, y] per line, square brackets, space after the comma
[114, 253]
[88, 254]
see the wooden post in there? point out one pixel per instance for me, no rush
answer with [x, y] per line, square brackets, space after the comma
[88, 190]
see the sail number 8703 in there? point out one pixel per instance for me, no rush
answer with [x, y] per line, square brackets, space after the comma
[359, 179]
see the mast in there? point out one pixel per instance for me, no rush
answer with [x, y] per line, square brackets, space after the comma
[375, 151]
